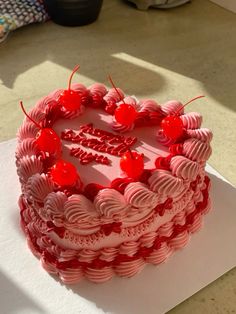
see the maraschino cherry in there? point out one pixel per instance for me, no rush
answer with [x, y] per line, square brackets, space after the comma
[47, 140]
[172, 125]
[64, 173]
[124, 114]
[70, 99]
[132, 164]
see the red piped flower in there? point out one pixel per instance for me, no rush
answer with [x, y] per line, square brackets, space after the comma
[120, 184]
[144, 252]
[162, 163]
[91, 190]
[176, 149]
[110, 108]
[161, 208]
[60, 231]
[112, 227]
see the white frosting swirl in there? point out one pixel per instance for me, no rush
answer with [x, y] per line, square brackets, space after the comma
[138, 195]
[191, 120]
[196, 150]
[163, 182]
[110, 204]
[184, 168]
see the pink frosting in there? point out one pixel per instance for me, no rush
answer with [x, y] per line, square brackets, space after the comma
[71, 275]
[28, 166]
[191, 120]
[88, 256]
[129, 269]
[111, 204]
[54, 206]
[196, 150]
[99, 89]
[36, 114]
[150, 105]
[80, 211]
[108, 254]
[166, 230]
[179, 241]
[27, 130]
[99, 275]
[113, 96]
[180, 218]
[184, 168]
[163, 182]
[28, 147]
[203, 134]
[139, 195]
[148, 239]
[78, 87]
[38, 187]
[129, 248]
[197, 224]
[163, 139]
[172, 107]
[46, 101]
[160, 255]
[131, 100]
[117, 127]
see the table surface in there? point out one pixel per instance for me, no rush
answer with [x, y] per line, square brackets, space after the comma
[174, 54]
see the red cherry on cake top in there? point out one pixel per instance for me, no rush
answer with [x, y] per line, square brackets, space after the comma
[64, 173]
[47, 140]
[172, 125]
[125, 114]
[70, 99]
[132, 164]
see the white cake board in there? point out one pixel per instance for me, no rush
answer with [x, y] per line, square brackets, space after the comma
[26, 288]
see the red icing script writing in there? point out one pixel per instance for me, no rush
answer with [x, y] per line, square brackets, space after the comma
[99, 141]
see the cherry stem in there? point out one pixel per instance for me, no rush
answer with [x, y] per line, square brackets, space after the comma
[76, 68]
[195, 98]
[32, 120]
[113, 85]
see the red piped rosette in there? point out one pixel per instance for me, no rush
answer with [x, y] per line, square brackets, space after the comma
[54, 217]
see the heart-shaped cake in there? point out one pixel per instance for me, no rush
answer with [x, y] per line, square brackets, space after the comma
[109, 182]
